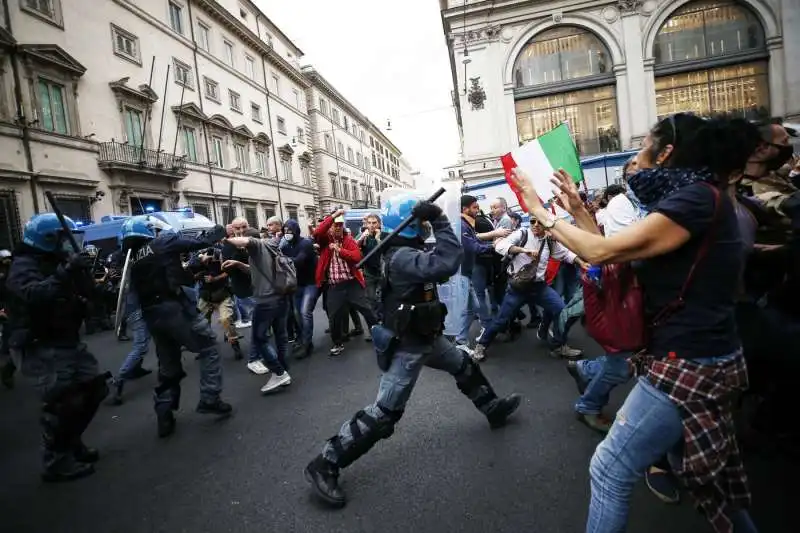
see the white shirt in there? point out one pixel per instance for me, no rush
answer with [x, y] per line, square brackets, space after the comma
[534, 243]
[618, 214]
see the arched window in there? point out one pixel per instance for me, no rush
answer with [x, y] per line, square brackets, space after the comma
[711, 57]
[564, 74]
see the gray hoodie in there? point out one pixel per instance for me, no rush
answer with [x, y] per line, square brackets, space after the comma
[261, 271]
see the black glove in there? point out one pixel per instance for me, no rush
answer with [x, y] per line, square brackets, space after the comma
[426, 211]
[77, 264]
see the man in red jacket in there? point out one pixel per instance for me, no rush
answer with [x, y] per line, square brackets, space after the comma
[338, 275]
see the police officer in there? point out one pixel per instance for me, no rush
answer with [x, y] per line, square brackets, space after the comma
[48, 290]
[7, 368]
[410, 338]
[157, 277]
[98, 319]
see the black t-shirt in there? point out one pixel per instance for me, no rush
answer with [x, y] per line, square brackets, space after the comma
[241, 285]
[705, 326]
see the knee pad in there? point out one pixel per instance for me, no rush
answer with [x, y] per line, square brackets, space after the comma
[363, 441]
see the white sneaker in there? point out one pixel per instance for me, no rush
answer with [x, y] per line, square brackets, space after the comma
[479, 353]
[257, 367]
[241, 324]
[465, 348]
[276, 381]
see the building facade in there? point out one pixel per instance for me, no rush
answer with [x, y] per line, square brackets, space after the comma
[353, 159]
[611, 69]
[131, 106]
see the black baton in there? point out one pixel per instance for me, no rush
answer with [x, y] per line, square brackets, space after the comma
[63, 222]
[403, 225]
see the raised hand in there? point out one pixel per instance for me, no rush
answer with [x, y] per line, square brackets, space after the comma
[567, 196]
[525, 186]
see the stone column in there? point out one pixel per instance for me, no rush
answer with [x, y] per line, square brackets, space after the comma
[777, 77]
[639, 101]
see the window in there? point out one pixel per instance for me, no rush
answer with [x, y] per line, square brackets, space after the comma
[334, 186]
[255, 112]
[346, 123]
[374, 164]
[328, 143]
[41, 7]
[176, 17]
[708, 29]
[227, 215]
[291, 212]
[201, 209]
[242, 158]
[349, 154]
[355, 191]
[261, 162]
[366, 164]
[228, 52]
[742, 90]
[218, 151]
[269, 211]
[52, 107]
[133, 126]
[345, 189]
[592, 116]
[301, 136]
[235, 100]
[250, 67]
[276, 88]
[323, 107]
[340, 149]
[286, 168]
[359, 159]
[126, 45]
[203, 37]
[727, 41]
[212, 89]
[282, 125]
[183, 74]
[296, 98]
[190, 143]
[251, 215]
[306, 171]
[336, 116]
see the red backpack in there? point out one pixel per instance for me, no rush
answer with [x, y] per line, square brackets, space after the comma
[615, 316]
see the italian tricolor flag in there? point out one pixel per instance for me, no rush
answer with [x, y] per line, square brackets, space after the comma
[541, 157]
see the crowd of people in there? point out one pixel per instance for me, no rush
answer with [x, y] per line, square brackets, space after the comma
[706, 225]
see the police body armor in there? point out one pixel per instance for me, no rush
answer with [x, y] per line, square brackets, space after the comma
[417, 314]
[151, 278]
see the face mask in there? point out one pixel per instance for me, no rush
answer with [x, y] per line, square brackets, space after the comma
[652, 185]
[784, 154]
[289, 237]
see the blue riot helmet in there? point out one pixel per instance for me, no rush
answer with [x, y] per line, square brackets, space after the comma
[143, 227]
[398, 208]
[44, 232]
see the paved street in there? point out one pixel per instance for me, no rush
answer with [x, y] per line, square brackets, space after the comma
[443, 471]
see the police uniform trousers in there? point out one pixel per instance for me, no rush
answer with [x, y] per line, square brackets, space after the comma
[174, 323]
[71, 389]
[377, 420]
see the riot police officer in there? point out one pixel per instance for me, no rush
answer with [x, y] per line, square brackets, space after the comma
[7, 368]
[47, 295]
[410, 338]
[157, 277]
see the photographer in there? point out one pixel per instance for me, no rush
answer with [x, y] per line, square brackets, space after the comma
[370, 238]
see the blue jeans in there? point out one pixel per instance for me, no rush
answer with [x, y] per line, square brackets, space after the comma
[305, 300]
[647, 427]
[566, 282]
[243, 308]
[475, 301]
[540, 295]
[268, 316]
[601, 375]
[141, 343]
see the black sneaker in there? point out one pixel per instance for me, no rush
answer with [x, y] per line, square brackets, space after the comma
[324, 479]
[119, 386]
[217, 407]
[504, 408]
[166, 424]
[337, 350]
[67, 469]
[85, 454]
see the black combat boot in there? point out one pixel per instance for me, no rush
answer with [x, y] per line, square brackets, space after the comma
[216, 407]
[93, 393]
[119, 386]
[166, 423]
[471, 381]
[58, 458]
[324, 478]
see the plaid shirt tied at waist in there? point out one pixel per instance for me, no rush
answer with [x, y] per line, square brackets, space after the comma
[711, 466]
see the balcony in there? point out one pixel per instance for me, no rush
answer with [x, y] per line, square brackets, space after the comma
[116, 156]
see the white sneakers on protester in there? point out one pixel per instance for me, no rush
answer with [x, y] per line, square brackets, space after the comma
[276, 381]
[257, 367]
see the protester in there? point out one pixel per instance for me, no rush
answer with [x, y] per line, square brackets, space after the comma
[370, 238]
[301, 250]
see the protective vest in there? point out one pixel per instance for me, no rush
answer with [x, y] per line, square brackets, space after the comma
[414, 314]
[150, 276]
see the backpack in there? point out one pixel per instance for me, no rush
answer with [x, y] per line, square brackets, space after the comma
[284, 273]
